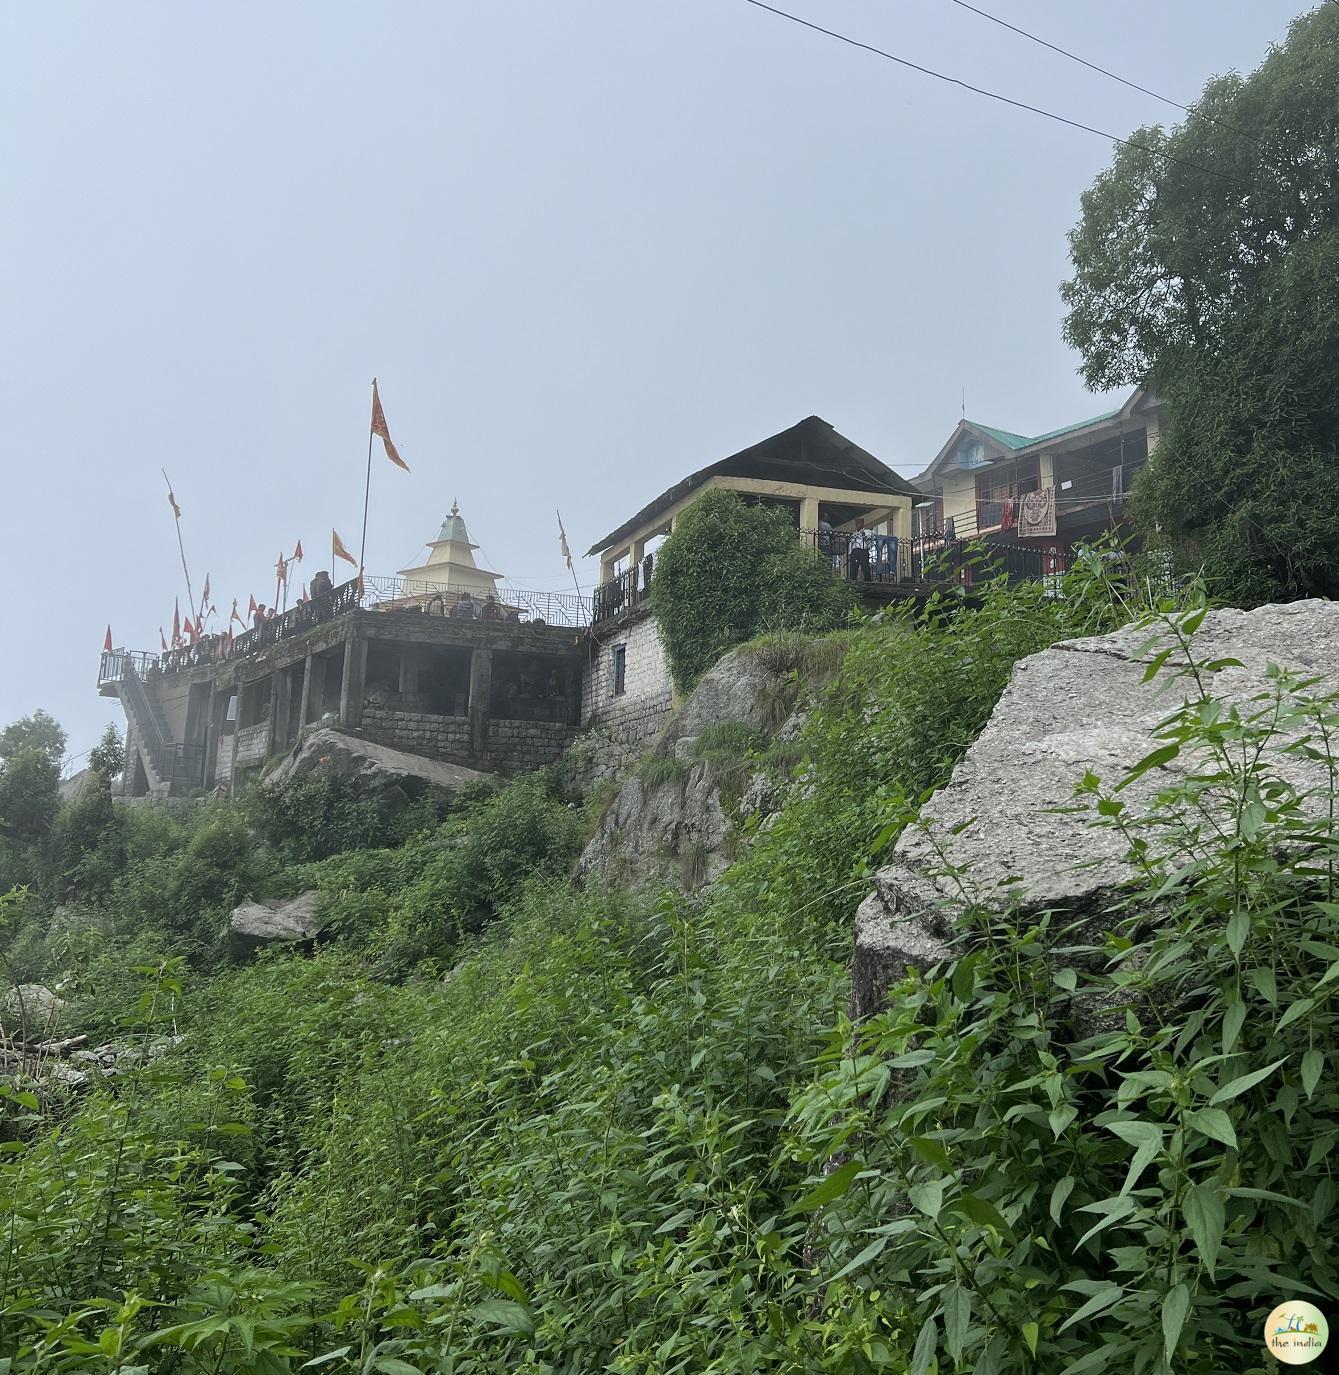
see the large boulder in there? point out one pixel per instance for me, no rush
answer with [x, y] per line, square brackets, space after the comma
[281, 919]
[674, 820]
[32, 1008]
[374, 769]
[999, 831]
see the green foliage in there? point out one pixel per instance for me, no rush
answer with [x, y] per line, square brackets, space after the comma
[108, 756]
[658, 769]
[1225, 303]
[1116, 1152]
[40, 731]
[29, 794]
[731, 570]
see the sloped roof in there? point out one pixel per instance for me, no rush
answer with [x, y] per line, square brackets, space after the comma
[1006, 437]
[811, 453]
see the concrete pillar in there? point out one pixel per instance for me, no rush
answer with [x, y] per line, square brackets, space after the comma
[481, 690]
[353, 683]
[409, 664]
[606, 568]
[808, 513]
[313, 680]
[281, 691]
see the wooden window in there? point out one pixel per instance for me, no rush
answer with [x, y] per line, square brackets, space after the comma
[620, 670]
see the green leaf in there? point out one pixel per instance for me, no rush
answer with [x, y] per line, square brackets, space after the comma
[1063, 1188]
[1313, 1064]
[932, 1152]
[1298, 1009]
[393, 1365]
[1203, 1210]
[505, 1316]
[1236, 1087]
[927, 1196]
[1147, 1141]
[1061, 1117]
[978, 1210]
[1067, 979]
[326, 1357]
[1114, 1209]
[1238, 928]
[957, 1315]
[833, 1186]
[1215, 1124]
[871, 1252]
[922, 1357]
[1174, 1310]
[1030, 1334]
[1105, 1296]
[1155, 759]
[1233, 1019]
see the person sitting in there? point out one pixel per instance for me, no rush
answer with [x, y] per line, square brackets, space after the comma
[464, 607]
[491, 611]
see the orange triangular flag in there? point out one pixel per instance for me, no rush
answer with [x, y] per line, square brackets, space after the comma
[281, 569]
[251, 605]
[162, 639]
[380, 429]
[107, 641]
[236, 616]
[204, 596]
[338, 551]
[297, 553]
[176, 623]
[304, 598]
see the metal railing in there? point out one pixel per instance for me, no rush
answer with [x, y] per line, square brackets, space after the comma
[514, 605]
[628, 589]
[174, 763]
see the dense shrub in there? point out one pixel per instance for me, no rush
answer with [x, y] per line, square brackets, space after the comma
[731, 570]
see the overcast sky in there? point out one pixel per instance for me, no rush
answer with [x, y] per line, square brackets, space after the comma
[587, 248]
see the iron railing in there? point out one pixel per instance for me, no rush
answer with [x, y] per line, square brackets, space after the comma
[175, 764]
[628, 589]
[515, 605]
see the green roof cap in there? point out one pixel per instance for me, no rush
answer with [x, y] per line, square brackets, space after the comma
[1005, 437]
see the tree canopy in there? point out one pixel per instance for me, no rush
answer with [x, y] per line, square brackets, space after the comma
[1205, 266]
[39, 731]
[731, 570]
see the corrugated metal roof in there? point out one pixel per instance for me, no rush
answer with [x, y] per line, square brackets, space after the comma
[1005, 437]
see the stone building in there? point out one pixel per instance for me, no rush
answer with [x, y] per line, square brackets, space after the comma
[829, 484]
[410, 661]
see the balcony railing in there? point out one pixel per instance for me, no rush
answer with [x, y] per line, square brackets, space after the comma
[627, 590]
[513, 605]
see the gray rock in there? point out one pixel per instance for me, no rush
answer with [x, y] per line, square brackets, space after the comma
[994, 830]
[328, 753]
[34, 1006]
[285, 919]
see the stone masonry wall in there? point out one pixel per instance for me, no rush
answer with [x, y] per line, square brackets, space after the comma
[438, 737]
[251, 745]
[519, 746]
[621, 728]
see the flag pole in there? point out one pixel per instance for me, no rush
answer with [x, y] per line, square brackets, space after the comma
[190, 596]
[367, 493]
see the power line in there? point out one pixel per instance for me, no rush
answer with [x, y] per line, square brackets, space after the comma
[991, 95]
[1093, 67]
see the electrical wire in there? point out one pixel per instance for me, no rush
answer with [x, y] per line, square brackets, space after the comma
[993, 95]
[1093, 67]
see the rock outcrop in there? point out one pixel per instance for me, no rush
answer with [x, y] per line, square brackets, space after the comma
[278, 920]
[31, 1007]
[999, 826]
[674, 820]
[393, 775]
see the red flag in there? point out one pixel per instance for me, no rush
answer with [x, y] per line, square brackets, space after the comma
[251, 606]
[176, 623]
[297, 553]
[162, 639]
[381, 430]
[236, 616]
[204, 596]
[304, 597]
[189, 629]
[338, 551]
[107, 641]
[281, 570]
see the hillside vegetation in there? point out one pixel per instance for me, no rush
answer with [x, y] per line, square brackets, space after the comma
[499, 1122]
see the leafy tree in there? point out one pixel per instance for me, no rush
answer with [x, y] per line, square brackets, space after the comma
[108, 756]
[1205, 266]
[29, 794]
[39, 731]
[730, 570]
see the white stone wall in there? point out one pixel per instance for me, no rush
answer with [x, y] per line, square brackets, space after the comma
[623, 726]
[251, 745]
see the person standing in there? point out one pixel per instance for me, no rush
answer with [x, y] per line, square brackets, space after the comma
[857, 557]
